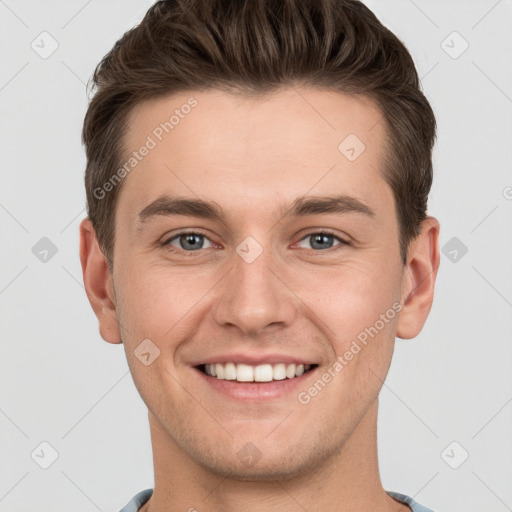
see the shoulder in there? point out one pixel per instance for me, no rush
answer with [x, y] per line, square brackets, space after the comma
[137, 501]
[407, 500]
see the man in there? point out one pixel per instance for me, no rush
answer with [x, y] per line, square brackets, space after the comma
[257, 181]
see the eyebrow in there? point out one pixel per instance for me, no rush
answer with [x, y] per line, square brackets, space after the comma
[307, 205]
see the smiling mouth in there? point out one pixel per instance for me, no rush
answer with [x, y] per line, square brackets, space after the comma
[260, 373]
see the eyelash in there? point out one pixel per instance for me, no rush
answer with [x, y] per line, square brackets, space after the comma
[170, 248]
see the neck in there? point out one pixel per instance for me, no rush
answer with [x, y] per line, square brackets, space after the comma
[347, 481]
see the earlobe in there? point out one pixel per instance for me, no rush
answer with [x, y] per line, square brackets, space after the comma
[98, 283]
[419, 279]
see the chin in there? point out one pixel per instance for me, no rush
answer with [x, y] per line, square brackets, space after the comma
[290, 463]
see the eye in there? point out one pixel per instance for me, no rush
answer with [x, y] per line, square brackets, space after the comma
[192, 241]
[323, 240]
[189, 241]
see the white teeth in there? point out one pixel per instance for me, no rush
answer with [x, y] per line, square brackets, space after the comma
[263, 373]
[279, 371]
[260, 373]
[290, 371]
[230, 371]
[244, 372]
[219, 370]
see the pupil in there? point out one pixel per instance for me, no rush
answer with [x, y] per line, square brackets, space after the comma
[322, 238]
[191, 239]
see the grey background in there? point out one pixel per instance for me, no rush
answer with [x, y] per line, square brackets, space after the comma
[63, 385]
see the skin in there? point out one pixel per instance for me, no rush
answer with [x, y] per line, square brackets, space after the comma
[254, 156]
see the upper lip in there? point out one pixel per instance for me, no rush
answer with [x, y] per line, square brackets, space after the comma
[254, 359]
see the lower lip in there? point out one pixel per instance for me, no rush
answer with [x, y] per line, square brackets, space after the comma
[256, 391]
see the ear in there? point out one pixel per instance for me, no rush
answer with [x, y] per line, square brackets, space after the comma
[419, 279]
[98, 283]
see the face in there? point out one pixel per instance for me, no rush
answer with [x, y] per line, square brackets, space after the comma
[261, 279]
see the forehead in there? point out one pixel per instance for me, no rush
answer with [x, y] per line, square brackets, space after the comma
[211, 143]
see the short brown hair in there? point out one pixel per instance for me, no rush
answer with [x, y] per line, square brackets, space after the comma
[254, 47]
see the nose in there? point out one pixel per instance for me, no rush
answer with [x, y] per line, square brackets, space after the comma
[255, 295]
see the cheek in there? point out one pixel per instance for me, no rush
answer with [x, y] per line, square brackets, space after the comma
[362, 325]
[154, 300]
[352, 298]
[154, 307]
[364, 319]
[164, 306]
